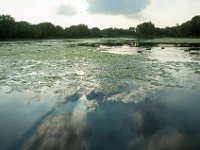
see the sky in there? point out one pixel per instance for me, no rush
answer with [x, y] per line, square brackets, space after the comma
[102, 13]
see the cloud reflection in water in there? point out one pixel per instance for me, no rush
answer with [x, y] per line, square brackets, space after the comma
[156, 123]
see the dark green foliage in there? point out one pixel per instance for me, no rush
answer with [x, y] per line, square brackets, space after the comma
[59, 32]
[9, 29]
[109, 32]
[187, 29]
[146, 29]
[23, 30]
[36, 31]
[115, 32]
[48, 30]
[95, 32]
[195, 25]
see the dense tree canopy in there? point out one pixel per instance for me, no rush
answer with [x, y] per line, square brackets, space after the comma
[195, 25]
[146, 29]
[10, 29]
[7, 27]
[187, 29]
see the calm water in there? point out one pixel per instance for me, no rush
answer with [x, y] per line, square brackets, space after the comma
[100, 94]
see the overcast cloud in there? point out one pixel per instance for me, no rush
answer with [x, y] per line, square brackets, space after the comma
[117, 7]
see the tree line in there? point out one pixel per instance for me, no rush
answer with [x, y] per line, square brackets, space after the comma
[10, 29]
[188, 29]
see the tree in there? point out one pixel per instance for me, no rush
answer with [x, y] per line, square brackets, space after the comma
[95, 32]
[59, 32]
[10, 29]
[71, 32]
[79, 31]
[36, 31]
[186, 29]
[108, 32]
[48, 30]
[83, 30]
[23, 30]
[195, 26]
[7, 26]
[145, 29]
[132, 30]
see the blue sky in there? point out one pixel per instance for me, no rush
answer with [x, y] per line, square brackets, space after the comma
[102, 13]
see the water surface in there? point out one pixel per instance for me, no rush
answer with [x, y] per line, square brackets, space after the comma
[100, 94]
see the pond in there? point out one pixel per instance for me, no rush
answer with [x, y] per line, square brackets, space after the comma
[101, 94]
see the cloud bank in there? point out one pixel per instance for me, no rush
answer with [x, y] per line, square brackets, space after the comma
[117, 7]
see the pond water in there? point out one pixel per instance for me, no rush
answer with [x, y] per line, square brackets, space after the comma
[100, 94]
